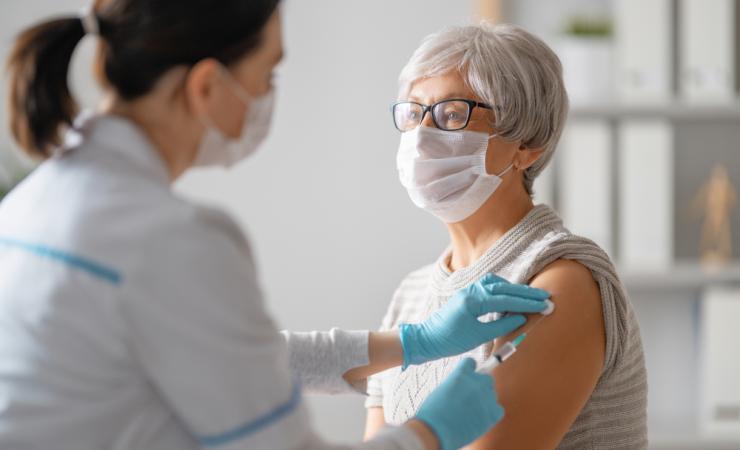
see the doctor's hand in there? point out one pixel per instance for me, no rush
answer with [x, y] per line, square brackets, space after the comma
[455, 327]
[462, 408]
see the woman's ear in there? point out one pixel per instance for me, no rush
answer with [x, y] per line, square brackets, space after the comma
[210, 97]
[201, 86]
[526, 156]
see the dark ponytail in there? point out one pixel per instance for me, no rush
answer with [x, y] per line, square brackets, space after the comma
[140, 41]
[40, 102]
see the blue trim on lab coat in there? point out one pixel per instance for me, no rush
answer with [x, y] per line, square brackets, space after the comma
[255, 425]
[93, 268]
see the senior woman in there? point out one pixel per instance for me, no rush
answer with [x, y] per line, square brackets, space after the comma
[481, 110]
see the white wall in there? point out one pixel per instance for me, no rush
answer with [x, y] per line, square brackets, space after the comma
[332, 228]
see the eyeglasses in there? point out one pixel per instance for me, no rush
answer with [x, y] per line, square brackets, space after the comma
[449, 115]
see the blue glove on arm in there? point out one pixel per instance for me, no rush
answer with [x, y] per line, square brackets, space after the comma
[462, 408]
[455, 327]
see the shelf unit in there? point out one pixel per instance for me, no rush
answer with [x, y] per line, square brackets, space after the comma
[692, 441]
[668, 306]
[673, 110]
[684, 277]
[668, 301]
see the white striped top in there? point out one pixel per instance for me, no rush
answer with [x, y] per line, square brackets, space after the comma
[615, 415]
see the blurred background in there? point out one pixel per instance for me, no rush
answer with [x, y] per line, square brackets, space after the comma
[649, 167]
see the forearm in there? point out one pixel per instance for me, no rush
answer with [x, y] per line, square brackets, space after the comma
[384, 352]
[331, 362]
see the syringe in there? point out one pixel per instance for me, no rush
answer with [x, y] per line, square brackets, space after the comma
[501, 355]
[509, 348]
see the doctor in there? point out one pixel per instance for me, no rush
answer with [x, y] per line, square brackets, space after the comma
[131, 318]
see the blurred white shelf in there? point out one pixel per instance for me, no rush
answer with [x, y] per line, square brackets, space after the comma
[688, 441]
[676, 109]
[682, 276]
[685, 435]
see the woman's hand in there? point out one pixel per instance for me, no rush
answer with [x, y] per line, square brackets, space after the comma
[455, 328]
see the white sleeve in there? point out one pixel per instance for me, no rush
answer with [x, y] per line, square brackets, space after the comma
[320, 359]
[201, 334]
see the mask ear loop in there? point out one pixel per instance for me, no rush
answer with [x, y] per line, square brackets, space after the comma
[206, 121]
[238, 89]
[508, 169]
[505, 171]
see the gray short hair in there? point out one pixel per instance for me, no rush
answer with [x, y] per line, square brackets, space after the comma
[505, 66]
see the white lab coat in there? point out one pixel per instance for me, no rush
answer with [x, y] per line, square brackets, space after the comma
[132, 319]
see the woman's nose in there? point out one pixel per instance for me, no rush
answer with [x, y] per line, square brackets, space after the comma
[427, 121]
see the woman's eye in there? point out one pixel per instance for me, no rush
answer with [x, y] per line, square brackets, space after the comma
[453, 116]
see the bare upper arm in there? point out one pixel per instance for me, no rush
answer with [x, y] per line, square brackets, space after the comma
[374, 422]
[546, 383]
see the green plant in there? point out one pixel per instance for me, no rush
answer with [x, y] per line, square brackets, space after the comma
[582, 26]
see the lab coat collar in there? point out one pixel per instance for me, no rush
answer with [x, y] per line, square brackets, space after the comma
[108, 132]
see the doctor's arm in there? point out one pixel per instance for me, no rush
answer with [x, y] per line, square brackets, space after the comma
[201, 335]
[341, 361]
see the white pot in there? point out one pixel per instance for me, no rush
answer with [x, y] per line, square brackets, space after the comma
[587, 68]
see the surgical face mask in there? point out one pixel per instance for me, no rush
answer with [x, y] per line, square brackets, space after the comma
[216, 149]
[444, 172]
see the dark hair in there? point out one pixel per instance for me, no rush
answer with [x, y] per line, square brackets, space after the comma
[140, 41]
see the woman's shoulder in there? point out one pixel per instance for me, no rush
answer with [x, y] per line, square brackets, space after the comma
[587, 281]
[549, 241]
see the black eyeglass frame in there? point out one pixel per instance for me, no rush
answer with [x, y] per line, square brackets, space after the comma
[472, 104]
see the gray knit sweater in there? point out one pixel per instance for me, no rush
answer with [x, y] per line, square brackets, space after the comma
[614, 416]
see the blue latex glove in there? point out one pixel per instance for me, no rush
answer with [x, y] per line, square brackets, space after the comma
[455, 327]
[462, 408]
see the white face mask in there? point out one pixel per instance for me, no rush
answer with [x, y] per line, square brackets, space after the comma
[445, 171]
[216, 149]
